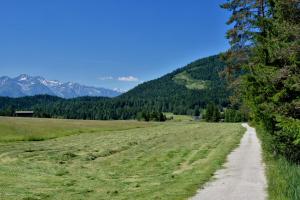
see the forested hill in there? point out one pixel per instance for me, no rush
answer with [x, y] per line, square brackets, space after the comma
[195, 84]
[179, 92]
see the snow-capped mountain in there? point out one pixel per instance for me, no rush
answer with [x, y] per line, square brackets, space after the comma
[25, 85]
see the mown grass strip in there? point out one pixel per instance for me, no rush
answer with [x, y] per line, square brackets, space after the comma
[157, 162]
[37, 129]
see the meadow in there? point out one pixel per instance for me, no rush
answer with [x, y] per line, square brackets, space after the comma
[28, 129]
[110, 159]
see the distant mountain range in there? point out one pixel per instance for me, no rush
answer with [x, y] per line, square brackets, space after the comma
[180, 92]
[25, 85]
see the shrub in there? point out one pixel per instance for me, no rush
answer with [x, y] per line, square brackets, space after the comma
[287, 138]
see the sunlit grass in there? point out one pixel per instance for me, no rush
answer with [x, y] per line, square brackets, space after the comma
[160, 161]
[36, 129]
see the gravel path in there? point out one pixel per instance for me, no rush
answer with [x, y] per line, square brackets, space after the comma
[243, 177]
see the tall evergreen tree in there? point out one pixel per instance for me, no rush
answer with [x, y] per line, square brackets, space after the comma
[268, 31]
[245, 18]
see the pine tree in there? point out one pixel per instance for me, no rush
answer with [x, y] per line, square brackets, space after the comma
[246, 17]
[212, 113]
[268, 31]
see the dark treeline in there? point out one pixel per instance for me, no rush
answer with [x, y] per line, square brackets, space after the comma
[151, 116]
[265, 42]
[231, 115]
[215, 113]
[160, 95]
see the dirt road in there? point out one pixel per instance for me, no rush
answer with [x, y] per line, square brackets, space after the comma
[243, 177]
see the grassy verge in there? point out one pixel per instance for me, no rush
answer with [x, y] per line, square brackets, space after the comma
[168, 161]
[37, 129]
[283, 176]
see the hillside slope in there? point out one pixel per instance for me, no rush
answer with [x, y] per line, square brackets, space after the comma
[193, 85]
[179, 92]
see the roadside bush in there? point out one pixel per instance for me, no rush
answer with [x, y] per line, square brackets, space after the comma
[282, 174]
[287, 138]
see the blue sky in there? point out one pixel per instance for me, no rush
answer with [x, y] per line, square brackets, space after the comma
[108, 43]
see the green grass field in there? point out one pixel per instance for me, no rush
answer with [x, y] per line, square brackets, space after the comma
[27, 129]
[111, 159]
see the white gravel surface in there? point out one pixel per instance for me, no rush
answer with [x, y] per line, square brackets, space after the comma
[243, 176]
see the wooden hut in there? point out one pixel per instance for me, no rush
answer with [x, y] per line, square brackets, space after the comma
[24, 113]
